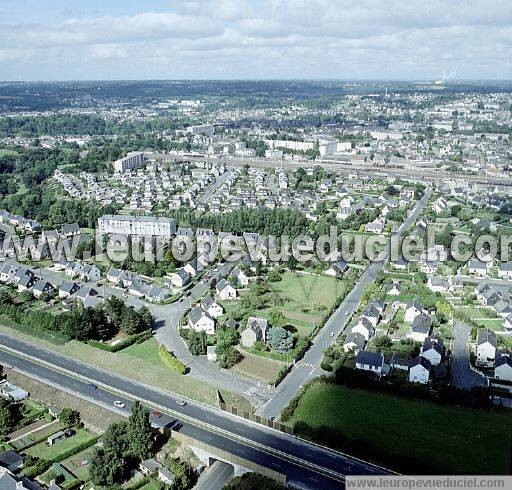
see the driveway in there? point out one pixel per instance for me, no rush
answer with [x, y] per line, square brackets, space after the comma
[462, 375]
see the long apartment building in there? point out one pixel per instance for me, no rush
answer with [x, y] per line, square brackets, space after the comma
[137, 225]
[131, 161]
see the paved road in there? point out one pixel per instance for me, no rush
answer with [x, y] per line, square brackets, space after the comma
[215, 477]
[166, 325]
[305, 464]
[210, 189]
[462, 376]
[309, 366]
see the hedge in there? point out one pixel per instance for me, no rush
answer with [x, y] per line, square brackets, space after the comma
[138, 338]
[171, 361]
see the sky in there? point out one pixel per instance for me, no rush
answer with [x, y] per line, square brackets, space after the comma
[255, 39]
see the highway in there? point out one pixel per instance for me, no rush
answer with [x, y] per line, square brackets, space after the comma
[309, 366]
[306, 465]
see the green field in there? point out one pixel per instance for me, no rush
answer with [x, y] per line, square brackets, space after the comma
[446, 439]
[43, 451]
[147, 350]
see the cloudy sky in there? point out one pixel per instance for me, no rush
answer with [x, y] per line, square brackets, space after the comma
[307, 39]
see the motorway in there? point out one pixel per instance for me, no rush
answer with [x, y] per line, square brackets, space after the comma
[309, 366]
[306, 465]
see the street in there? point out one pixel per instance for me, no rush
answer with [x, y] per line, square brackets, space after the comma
[305, 464]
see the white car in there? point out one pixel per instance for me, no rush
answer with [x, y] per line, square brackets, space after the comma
[181, 403]
[119, 404]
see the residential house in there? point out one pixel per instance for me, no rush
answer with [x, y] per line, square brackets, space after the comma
[225, 290]
[90, 273]
[42, 286]
[12, 392]
[394, 289]
[420, 328]
[503, 365]
[354, 342]
[436, 284]
[337, 269]
[70, 229]
[114, 276]
[412, 310]
[211, 307]
[199, 320]
[433, 350]
[11, 460]
[256, 329]
[505, 270]
[68, 288]
[486, 343]
[157, 294]
[364, 327]
[419, 370]
[477, 268]
[241, 279]
[370, 361]
[180, 278]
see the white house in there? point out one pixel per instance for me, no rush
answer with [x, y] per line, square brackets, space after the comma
[503, 365]
[225, 290]
[255, 330]
[211, 307]
[199, 320]
[436, 284]
[420, 328]
[354, 342]
[370, 361]
[412, 310]
[505, 270]
[485, 347]
[433, 350]
[419, 370]
[364, 327]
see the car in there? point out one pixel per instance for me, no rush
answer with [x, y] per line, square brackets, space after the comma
[92, 386]
[119, 404]
[347, 313]
[125, 295]
[181, 403]
[332, 334]
[156, 414]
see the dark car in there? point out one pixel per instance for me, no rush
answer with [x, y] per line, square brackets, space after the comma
[92, 386]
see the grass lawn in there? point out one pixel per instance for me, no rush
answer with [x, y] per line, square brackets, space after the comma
[258, 367]
[151, 485]
[79, 464]
[133, 367]
[448, 439]
[43, 451]
[147, 350]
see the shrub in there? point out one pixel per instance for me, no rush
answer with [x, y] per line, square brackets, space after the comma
[171, 361]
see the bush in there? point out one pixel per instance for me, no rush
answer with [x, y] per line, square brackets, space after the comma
[171, 361]
[133, 339]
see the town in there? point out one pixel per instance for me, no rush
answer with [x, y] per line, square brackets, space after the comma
[135, 353]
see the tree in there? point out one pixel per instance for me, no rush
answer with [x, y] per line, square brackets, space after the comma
[280, 339]
[108, 465]
[9, 416]
[140, 434]
[69, 417]
[276, 319]
[197, 343]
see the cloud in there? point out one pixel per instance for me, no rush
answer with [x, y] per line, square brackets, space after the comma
[267, 38]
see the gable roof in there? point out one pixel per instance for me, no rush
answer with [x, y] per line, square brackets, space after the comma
[374, 359]
[484, 336]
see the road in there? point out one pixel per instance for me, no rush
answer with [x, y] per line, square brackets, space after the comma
[306, 465]
[309, 366]
[210, 189]
[215, 477]
[166, 325]
[462, 376]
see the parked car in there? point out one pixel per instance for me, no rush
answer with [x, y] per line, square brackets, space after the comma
[156, 414]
